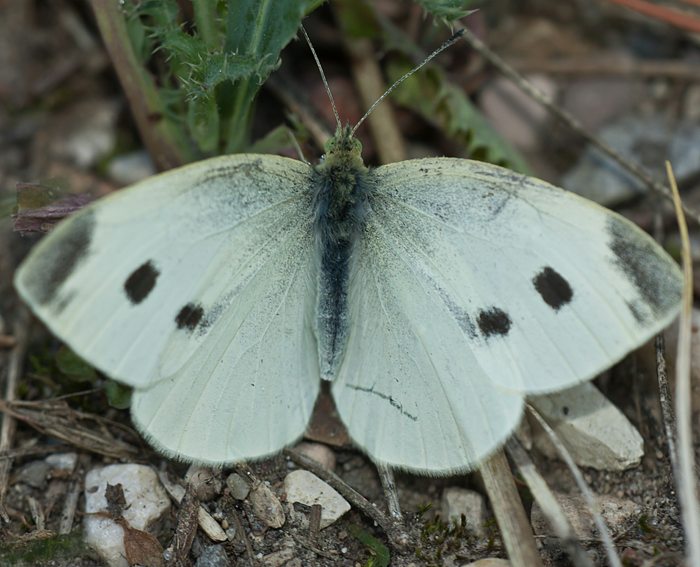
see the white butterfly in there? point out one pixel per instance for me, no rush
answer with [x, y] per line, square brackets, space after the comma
[434, 294]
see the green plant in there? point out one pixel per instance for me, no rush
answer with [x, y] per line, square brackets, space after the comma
[192, 71]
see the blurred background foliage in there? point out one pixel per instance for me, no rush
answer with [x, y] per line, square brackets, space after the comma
[192, 72]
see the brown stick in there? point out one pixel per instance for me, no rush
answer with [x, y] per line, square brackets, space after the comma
[634, 168]
[626, 67]
[510, 515]
[160, 137]
[682, 20]
[393, 529]
[9, 424]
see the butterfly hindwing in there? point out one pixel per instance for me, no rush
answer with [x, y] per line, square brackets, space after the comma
[191, 287]
[409, 389]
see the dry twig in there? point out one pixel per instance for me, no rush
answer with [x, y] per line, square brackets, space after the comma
[87, 431]
[382, 121]
[685, 473]
[634, 168]
[548, 503]
[393, 529]
[386, 477]
[665, 401]
[615, 67]
[70, 504]
[508, 509]
[240, 531]
[588, 496]
[681, 19]
[9, 425]
[208, 524]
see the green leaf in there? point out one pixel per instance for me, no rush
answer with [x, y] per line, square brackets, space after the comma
[74, 367]
[357, 19]
[203, 123]
[258, 29]
[39, 365]
[446, 106]
[278, 139]
[118, 395]
[447, 10]
[217, 63]
[379, 551]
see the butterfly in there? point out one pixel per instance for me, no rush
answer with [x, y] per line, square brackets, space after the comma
[433, 294]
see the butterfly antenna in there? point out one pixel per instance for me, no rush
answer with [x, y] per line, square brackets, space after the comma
[323, 78]
[400, 80]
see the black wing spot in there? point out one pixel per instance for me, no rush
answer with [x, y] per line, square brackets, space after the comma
[69, 249]
[494, 321]
[553, 288]
[189, 317]
[653, 274]
[141, 282]
[638, 311]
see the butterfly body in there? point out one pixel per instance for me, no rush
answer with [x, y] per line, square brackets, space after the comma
[435, 294]
[341, 192]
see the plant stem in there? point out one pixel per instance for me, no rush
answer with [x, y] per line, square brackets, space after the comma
[165, 142]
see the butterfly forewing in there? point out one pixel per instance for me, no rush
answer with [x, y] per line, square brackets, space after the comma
[191, 287]
[550, 288]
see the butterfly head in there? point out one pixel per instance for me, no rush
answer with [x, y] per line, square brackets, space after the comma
[343, 151]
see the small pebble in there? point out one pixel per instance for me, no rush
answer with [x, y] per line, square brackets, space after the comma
[34, 474]
[322, 454]
[238, 486]
[458, 502]
[205, 484]
[617, 513]
[65, 462]
[266, 506]
[213, 556]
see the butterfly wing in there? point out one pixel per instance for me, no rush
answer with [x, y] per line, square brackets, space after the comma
[479, 286]
[195, 287]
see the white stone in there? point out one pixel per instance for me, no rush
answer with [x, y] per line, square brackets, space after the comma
[279, 558]
[647, 141]
[92, 133]
[457, 501]
[127, 169]
[691, 107]
[322, 454]
[596, 433]
[64, 462]
[146, 503]
[306, 488]
[489, 562]
[513, 114]
[616, 512]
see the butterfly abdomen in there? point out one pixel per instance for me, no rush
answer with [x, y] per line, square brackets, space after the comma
[341, 187]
